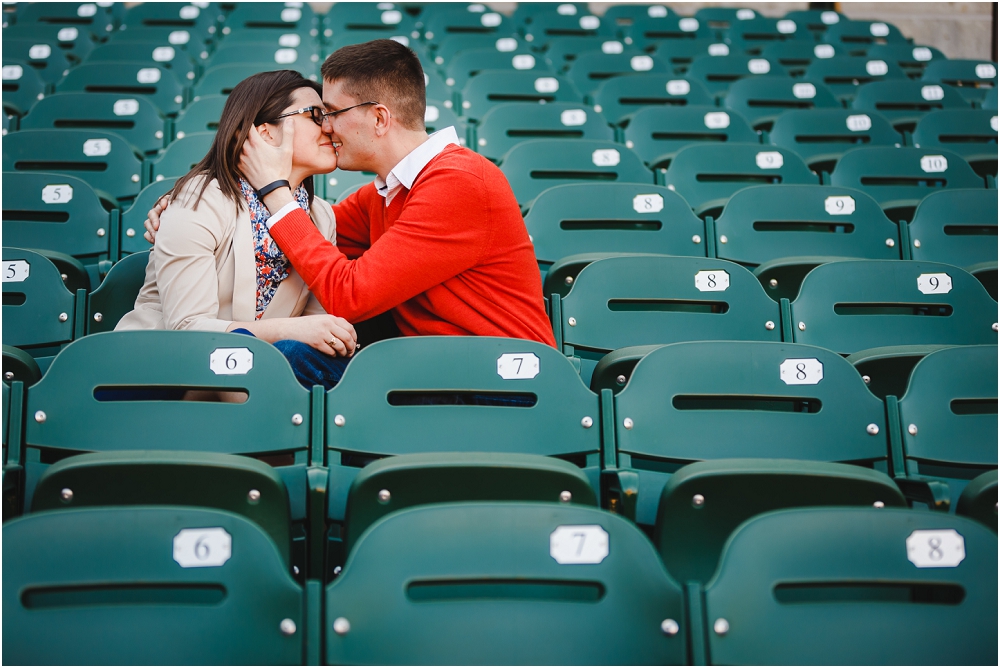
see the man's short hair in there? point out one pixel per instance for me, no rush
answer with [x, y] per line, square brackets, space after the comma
[382, 71]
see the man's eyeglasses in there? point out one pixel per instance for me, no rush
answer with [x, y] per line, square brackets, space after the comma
[333, 114]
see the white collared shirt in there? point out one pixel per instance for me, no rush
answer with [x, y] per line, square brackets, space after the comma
[403, 174]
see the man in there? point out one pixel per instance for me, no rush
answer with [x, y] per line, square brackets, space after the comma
[438, 238]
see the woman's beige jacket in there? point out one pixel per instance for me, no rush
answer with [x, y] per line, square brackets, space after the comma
[202, 273]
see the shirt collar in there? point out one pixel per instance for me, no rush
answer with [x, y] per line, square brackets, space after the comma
[406, 170]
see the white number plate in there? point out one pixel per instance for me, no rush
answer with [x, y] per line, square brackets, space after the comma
[932, 93]
[922, 54]
[745, 14]
[829, 18]
[993, 123]
[198, 548]
[716, 120]
[129, 107]
[943, 548]
[164, 54]
[57, 193]
[513, 366]
[12, 72]
[859, 123]
[758, 66]
[96, 147]
[231, 361]
[391, 17]
[934, 163]
[573, 117]
[285, 56]
[546, 84]
[473, 9]
[189, 12]
[289, 40]
[804, 91]
[431, 114]
[808, 371]
[566, 10]
[879, 29]
[579, 544]
[712, 281]
[67, 34]
[147, 75]
[786, 27]
[39, 52]
[606, 157]
[16, 271]
[876, 68]
[523, 61]
[934, 284]
[770, 160]
[688, 25]
[612, 47]
[641, 63]
[839, 206]
[86, 10]
[648, 203]
[291, 14]
[718, 49]
[823, 51]
[506, 44]
[179, 37]
[678, 87]
[656, 12]
[589, 23]
[986, 71]
[490, 20]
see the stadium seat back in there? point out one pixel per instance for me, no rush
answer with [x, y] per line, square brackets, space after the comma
[618, 97]
[796, 55]
[904, 102]
[493, 87]
[911, 58]
[200, 116]
[979, 499]
[339, 182]
[451, 46]
[199, 21]
[853, 305]
[154, 82]
[438, 116]
[974, 79]
[356, 17]
[791, 588]
[762, 99]
[589, 70]
[722, 18]
[182, 155]
[74, 42]
[548, 26]
[506, 125]
[707, 175]
[43, 54]
[717, 399]
[967, 132]
[563, 51]
[221, 79]
[123, 585]
[858, 36]
[134, 217]
[817, 21]
[955, 226]
[482, 574]
[304, 58]
[680, 53]
[669, 28]
[23, 86]
[822, 136]
[656, 134]
[469, 63]
[173, 58]
[38, 310]
[718, 73]
[273, 17]
[537, 164]
[458, 21]
[117, 293]
[844, 74]
[760, 31]
[182, 39]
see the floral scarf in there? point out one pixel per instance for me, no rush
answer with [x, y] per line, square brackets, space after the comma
[272, 265]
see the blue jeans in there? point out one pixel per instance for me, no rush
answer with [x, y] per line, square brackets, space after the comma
[311, 367]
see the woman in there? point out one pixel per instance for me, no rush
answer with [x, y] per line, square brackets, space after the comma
[216, 268]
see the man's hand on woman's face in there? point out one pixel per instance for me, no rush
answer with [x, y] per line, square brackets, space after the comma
[262, 162]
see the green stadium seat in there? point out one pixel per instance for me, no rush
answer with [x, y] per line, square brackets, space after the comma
[221, 79]
[489, 88]
[451, 46]
[175, 59]
[133, 218]
[979, 499]
[117, 294]
[822, 136]
[758, 32]
[471, 62]
[527, 13]
[986, 273]
[304, 59]
[188, 41]
[563, 51]
[912, 59]
[782, 232]
[590, 69]
[102, 159]
[435, 87]
[86, 16]
[665, 29]
[990, 101]
[854, 305]
[337, 183]
[59, 213]
[9, 124]
[154, 82]
[816, 21]
[113, 588]
[967, 132]
[570, 220]
[43, 54]
[956, 227]
[710, 400]
[703, 503]
[537, 164]
[644, 300]
[760, 100]
[197, 20]
[274, 17]
[22, 87]
[200, 116]
[361, 36]
[548, 26]
[618, 97]
[722, 18]
[898, 178]
[182, 155]
[444, 23]
[792, 587]
[904, 102]
[75, 43]
[947, 420]
[481, 573]
[17, 366]
[438, 116]
[886, 369]
[973, 78]
[656, 134]
[40, 314]
[717, 73]
[844, 74]
[624, 15]
[135, 119]
[796, 55]
[859, 36]
[368, 17]
[381, 409]
[707, 175]
[680, 53]
[505, 125]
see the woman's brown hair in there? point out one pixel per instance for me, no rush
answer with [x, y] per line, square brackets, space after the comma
[256, 100]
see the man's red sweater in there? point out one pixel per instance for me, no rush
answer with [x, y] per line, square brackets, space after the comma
[449, 256]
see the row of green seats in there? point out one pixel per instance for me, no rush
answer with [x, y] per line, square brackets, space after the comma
[474, 584]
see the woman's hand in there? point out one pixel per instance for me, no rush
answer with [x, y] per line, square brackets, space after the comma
[152, 223]
[328, 334]
[262, 163]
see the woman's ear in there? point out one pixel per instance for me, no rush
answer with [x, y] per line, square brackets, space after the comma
[270, 133]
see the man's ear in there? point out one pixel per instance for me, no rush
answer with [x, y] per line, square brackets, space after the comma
[383, 120]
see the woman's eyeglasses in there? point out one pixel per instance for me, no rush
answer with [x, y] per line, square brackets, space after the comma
[318, 115]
